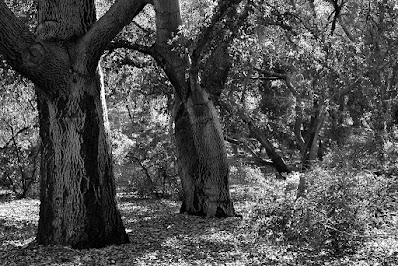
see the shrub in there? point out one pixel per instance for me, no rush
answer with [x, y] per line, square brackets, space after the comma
[363, 149]
[334, 215]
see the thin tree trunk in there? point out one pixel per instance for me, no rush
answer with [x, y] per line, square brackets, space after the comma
[310, 151]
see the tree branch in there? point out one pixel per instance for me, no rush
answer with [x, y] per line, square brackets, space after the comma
[260, 135]
[14, 135]
[256, 159]
[207, 32]
[145, 30]
[17, 43]
[299, 109]
[128, 61]
[282, 76]
[95, 41]
[124, 44]
[148, 50]
[17, 153]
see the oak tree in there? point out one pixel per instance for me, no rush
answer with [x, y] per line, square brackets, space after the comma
[61, 58]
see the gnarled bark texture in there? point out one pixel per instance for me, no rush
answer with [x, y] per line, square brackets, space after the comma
[200, 145]
[202, 158]
[78, 206]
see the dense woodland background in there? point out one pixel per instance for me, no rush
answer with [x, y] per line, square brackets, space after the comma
[309, 112]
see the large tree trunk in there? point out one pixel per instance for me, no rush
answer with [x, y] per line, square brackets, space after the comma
[78, 206]
[202, 157]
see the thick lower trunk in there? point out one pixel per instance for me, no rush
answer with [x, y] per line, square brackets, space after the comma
[78, 206]
[202, 157]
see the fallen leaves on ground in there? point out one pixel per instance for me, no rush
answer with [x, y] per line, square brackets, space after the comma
[159, 235]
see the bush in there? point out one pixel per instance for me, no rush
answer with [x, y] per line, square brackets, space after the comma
[334, 215]
[359, 151]
[363, 149]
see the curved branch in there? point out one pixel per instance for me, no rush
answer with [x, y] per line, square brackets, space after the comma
[260, 135]
[255, 156]
[15, 43]
[95, 41]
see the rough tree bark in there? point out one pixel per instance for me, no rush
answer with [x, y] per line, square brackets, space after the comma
[200, 144]
[78, 206]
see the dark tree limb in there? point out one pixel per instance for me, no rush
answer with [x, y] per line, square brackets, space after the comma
[14, 135]
[18, 45]
[96, 40]
[124, 44]
[277, 161]
[255, 158]
[207, 33]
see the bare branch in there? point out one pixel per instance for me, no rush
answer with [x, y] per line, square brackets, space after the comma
[280, 76]
[128, 61]
[145, 30]
[260, 135]
[15, 134]
[257, 160]
[124, 44]
[17, 43]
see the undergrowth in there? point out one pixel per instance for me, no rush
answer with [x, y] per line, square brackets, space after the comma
[336, 216]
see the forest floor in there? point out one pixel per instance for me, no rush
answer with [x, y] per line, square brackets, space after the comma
[159, 235]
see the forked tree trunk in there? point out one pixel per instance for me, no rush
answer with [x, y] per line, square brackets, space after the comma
[78, 206]
[202, 157]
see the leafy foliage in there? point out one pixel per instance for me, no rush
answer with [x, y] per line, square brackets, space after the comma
[19, 147]
[336, 216]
